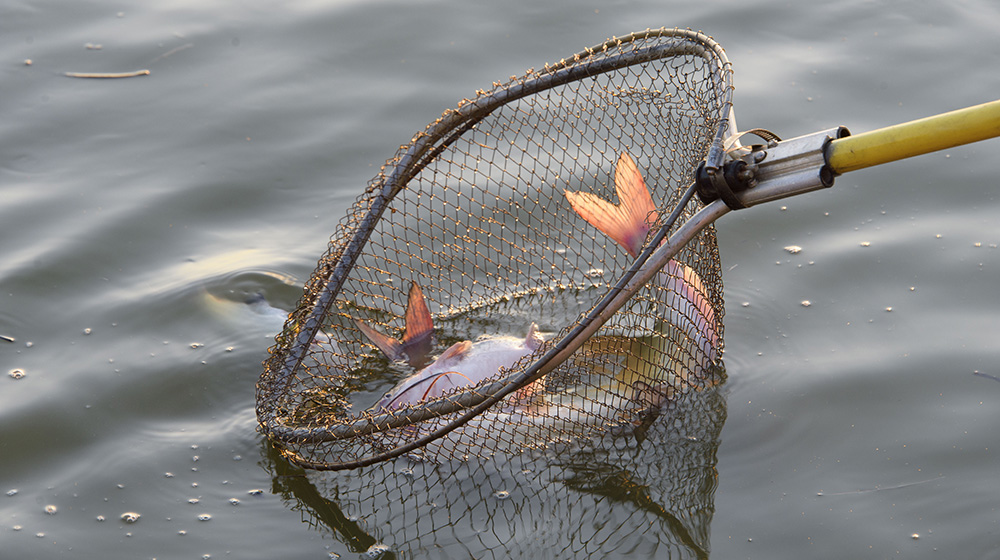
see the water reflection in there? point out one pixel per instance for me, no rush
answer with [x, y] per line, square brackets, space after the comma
[650, 493]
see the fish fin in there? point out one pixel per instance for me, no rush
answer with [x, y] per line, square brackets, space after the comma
[418, 330]
[532, 392]
[456, 351]
[649, 397]
[627, 222]
[388, 345]
[534, 338]
[419, 325]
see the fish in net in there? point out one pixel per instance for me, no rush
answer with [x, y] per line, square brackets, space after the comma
[486, 293]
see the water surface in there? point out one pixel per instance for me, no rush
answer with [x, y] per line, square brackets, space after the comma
[139, 215]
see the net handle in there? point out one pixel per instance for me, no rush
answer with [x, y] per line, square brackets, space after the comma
[914, 138]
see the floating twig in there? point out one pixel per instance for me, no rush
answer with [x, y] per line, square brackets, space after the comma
[993, 377]
[7, 338]
[172, 51]
[880, 488]
[103, 75]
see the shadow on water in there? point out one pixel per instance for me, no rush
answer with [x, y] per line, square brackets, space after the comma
[649, 493]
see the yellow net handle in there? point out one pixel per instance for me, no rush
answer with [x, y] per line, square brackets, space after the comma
[915, 138]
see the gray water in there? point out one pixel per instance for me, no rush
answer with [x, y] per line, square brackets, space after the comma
[139, 214]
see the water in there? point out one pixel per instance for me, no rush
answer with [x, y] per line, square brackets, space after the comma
[139, 214]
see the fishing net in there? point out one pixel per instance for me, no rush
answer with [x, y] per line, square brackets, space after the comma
[473, 243]
[605, 502]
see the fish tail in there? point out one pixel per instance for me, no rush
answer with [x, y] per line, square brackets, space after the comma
[387, 344]
[418, 330]
[419, 327]
[627, 222]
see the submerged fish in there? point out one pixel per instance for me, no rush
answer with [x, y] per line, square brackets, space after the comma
[644, 381]
[463, 364]
[628, 223]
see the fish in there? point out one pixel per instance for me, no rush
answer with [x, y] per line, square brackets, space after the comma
[645, 381]
[462, 364]
[685, 300]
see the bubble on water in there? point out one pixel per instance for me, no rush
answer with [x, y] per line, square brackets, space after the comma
[51, 509]
[915, 536]
[182, 532]
[100, 519]
[168, 475]
[17, 527]
[255, 492]
[745, 304]
[194, 485]
[889, 309]
[501, 494]
[29, 344]
[204, 517]
[793, 249]
[806, 303]
[40, 535]
[130, 517]
[376, 550]
[193, 501]
[866, 243]
[87, 330]
[12, 492]
[234, 501]
[594, 273]
[16, 373]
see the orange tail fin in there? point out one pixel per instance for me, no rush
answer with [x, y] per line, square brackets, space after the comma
[626, 222]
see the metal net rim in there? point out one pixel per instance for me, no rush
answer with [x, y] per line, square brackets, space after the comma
[287, 355]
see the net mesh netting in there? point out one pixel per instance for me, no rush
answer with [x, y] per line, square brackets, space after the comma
[474, 212]
[653, 499]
